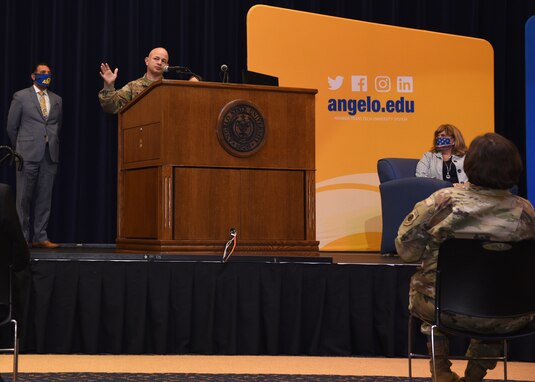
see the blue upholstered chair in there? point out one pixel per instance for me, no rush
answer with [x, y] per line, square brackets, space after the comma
[400, 190]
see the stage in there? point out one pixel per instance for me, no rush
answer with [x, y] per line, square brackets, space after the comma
[107, 252]
[89, 299]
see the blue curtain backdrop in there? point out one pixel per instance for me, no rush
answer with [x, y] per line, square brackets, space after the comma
[74, 37]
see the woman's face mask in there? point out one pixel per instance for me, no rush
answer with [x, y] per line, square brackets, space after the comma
[443, 143]
[43, 79]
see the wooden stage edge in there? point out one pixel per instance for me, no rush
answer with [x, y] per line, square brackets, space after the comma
[107, 252]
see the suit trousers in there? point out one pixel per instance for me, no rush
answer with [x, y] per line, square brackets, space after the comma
[34, 194]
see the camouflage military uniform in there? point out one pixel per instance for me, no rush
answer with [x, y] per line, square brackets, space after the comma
[113, 100]
[470, 212]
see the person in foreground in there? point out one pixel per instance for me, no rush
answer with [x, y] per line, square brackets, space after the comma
[33, 125]
[112, 100]
[446, 157]
[483, 208]
[14, 254]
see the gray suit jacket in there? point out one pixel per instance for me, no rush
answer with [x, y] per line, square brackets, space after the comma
[27, 128]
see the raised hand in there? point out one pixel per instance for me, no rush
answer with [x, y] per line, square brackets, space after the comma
[107, 75]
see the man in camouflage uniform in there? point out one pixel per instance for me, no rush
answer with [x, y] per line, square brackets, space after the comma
[484, 211]
[113, 100]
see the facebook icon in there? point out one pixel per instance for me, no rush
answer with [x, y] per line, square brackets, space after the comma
[359, 83]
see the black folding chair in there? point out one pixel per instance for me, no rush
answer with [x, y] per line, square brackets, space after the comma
[6, 315]
[484, 279]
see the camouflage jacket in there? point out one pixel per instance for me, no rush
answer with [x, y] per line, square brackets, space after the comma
[470, 212]
[113, 100]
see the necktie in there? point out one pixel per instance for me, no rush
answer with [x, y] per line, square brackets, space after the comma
[42, 103]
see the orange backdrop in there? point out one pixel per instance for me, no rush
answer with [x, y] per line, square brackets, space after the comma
[382, 91]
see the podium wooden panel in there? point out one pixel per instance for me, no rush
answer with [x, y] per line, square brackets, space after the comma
[180, 190]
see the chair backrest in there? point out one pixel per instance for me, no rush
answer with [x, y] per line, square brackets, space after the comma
[396, 168]
[486, 279]
[398, 198]
[5, 294]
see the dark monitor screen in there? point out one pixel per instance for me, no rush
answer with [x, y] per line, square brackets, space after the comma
[255, 78]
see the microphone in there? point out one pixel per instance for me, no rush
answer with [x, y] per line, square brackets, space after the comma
[224, 72]
[179, 69]
[232, 242]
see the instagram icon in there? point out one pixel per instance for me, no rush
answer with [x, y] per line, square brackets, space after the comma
[382, 84]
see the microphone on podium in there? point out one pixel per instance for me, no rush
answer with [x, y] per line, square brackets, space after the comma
[224, 73]
[179, 69]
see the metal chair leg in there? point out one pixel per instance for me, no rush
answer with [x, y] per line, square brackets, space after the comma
[433, 359]
[409, 342]
[15, 351]
[505, 360]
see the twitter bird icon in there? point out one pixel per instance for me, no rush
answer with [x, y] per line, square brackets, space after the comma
[336, 83]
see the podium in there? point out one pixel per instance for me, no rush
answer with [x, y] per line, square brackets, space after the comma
[197, 159]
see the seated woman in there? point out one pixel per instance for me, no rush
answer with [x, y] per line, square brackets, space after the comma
[446, 159]
[483, 208]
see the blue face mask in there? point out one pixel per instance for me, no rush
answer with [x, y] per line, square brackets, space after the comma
[443, 142]
[43, 79]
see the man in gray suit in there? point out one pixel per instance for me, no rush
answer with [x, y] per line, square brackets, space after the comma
[33, 126]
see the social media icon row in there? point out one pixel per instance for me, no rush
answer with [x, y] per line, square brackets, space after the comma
[382, 84]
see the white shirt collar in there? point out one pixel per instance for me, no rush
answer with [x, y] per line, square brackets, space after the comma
[37, 90]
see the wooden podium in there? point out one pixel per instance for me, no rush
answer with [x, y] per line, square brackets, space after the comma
[197, 159]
